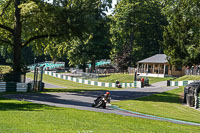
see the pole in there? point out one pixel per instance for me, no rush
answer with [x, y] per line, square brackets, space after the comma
[41, 69]
[34, 81]
[34, 60]
[135, 77]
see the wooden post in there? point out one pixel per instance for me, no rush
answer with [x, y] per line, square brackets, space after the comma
[147, 70]
[142, 67]
[158, 68]
[164, 69]
[153, 68]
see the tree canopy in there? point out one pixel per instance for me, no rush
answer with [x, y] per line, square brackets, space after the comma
[92, 46]
[136, 30]
[82, 32]
[42, 24]
[182, 34]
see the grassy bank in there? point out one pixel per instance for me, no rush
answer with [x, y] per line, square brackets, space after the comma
[123, 78]
[155, 79]
[188, 77]
[167, 104]
[127, 78]
[70, 85]
[21, 117]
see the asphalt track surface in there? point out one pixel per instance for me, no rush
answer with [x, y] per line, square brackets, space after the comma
[83, 100]
[46, 85]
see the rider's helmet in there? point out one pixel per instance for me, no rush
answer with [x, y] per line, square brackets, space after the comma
[107, 93]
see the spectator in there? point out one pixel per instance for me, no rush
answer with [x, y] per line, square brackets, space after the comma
[142, 81]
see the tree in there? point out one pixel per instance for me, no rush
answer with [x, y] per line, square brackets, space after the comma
[37, 23]
[136, 30]
[181, 36]
[90, 47]
[96, 48]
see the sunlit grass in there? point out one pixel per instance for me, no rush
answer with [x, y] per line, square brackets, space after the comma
[128, 78]
[166, 104]
[188, 77]
[70, 85]
[20, 117]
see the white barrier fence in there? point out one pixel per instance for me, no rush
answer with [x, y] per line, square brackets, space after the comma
[13, 87]
[96, 83]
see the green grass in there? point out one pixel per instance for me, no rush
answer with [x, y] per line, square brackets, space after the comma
[155, 79]
[5, 69]
[20, 117]
[127, 78]
[167, 104]
[70, 85]
[122, 78]
[188, 77]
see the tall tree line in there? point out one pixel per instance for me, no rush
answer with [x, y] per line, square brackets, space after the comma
[81, 31]
[43, 25]
[136, 31]
[182, 34]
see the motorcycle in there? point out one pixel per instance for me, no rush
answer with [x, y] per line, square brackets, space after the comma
[100, 102]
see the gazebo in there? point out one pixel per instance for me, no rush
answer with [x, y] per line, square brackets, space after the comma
[158, 66]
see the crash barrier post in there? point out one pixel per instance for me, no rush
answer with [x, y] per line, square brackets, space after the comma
[168, 82]
[38, 85]
[13, 87]
[146, 82]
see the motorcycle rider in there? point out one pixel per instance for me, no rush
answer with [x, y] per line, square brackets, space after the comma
[105, 99]
[117, 83]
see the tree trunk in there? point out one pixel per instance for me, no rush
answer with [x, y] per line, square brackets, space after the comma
[93, 65]
[17, 40]
[84, 67]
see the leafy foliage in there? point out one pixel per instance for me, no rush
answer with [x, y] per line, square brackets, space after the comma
[136, 30]
[42, 25]
[92, 46]
[181, 36]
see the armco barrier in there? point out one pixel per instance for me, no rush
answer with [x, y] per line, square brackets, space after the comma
[95, 83]
[13, 87]
[181, 83]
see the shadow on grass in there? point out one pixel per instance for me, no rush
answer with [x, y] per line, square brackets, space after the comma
[7, 104]
[52, 99]
[23, 107]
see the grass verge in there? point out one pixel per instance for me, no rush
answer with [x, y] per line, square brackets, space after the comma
[70, 85]
[155, 79]
[127, 78]
[166, 104]
[188, 77]
[22, 116]
[123, 78]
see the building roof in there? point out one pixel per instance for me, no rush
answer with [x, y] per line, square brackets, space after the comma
[158, 58]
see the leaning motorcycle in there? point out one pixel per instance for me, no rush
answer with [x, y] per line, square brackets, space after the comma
[100, 102]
